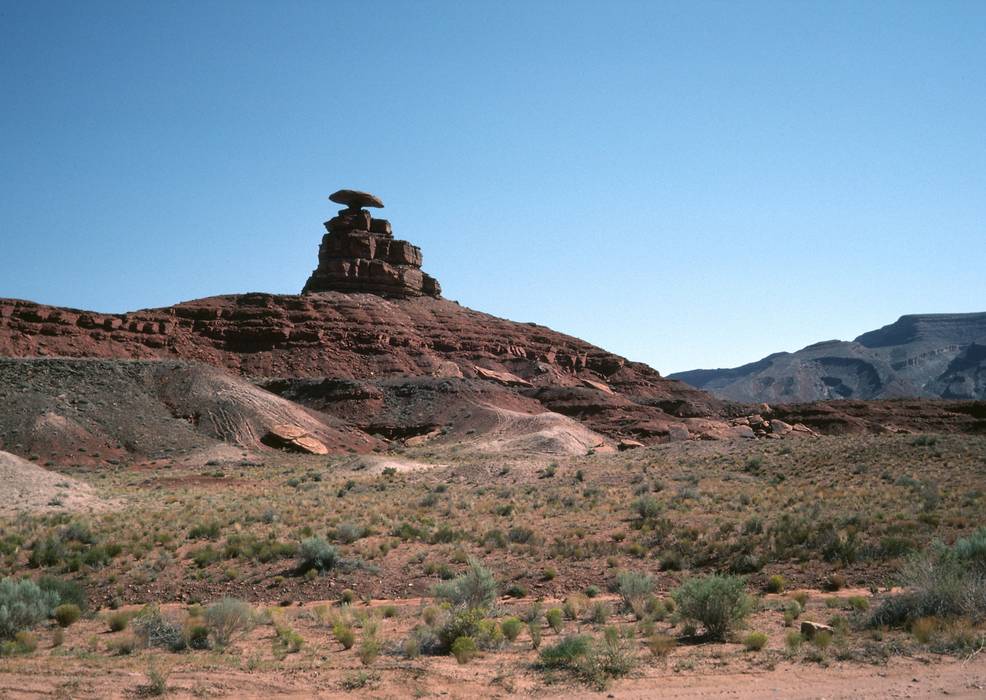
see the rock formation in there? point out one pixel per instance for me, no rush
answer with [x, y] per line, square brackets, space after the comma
[922, 355]
[360, 254]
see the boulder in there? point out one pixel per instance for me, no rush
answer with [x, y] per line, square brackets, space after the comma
[810, 629]
[628, 444]
[599, 386]
[779, 427]
[505, 378]
[295, 438]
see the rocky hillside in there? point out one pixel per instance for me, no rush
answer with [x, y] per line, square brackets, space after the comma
[358, 339]
[926, 355]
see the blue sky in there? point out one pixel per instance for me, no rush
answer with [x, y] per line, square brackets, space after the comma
[686, 184]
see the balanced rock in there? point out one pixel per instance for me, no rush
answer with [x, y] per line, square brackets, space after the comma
[360, 254]
[354, 199]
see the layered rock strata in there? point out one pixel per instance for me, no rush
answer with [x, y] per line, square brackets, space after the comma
[360, 254]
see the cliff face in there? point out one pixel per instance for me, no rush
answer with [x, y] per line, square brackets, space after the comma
[929, 355]
[367, 337]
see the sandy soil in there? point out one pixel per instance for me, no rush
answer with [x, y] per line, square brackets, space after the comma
[27, 487]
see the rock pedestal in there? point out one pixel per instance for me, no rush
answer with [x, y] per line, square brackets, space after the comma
[360, 254]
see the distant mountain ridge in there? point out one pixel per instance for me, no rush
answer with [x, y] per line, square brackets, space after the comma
[919, 355]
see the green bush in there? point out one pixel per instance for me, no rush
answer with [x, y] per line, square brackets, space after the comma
[369, 647]
[755, 641]
[635, 589]
[118, 621]
[462, 622]
[555, 619]
[67, 591]
[594, 662]
[474, 590]
[647, 507]
[67, 614]
[944, 582]
[464, 649]
[227, 619]
[23, 604]
[720, 603]
[315, 553]
[344, 634]
[566, 651]
[511, 627]
[775, 584]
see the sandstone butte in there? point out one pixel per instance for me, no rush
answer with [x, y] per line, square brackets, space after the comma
[369, 313]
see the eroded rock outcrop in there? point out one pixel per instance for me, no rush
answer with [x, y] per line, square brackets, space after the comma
[360, 254]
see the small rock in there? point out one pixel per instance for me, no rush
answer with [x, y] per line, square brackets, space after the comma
[628, 444]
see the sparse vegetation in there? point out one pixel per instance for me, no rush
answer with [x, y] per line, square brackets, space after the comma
[719, 603]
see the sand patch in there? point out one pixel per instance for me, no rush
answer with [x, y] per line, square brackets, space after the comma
[28, 487]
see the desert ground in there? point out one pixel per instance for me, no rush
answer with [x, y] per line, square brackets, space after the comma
[237, 573]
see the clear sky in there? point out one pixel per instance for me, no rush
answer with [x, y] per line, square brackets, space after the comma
[687, 184]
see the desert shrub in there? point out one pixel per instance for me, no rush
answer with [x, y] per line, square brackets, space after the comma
[923, 628]
[943, 582]
[792, 641]
[834, 582]
[118, 621]
[347, 533]
[489, 635]
[344, 634]
[23, 604]
[775, 584]
[461, 622]
[566, 651]
[755, 641]
[204, 556]
[122, 646]
[792, 611]
[198, 637]
[671, 561]
[660, 645]
[594, 662]
[822, 640]
[573, 606]
[599, 612]
[464, 649]
[474, 590]
[47, 552]
[24, 642]
[635, 590]
[67, 614]
[157, 683]
[154, 629]
[369, 648]
[555, 619]
[858, 602]
[317, 554]
[286, 640]
[646, 508]
[411, 647]
[67, 591]
[511, 627]
[227, 619]
[719, 602]
[205, 531]
[534, 630]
